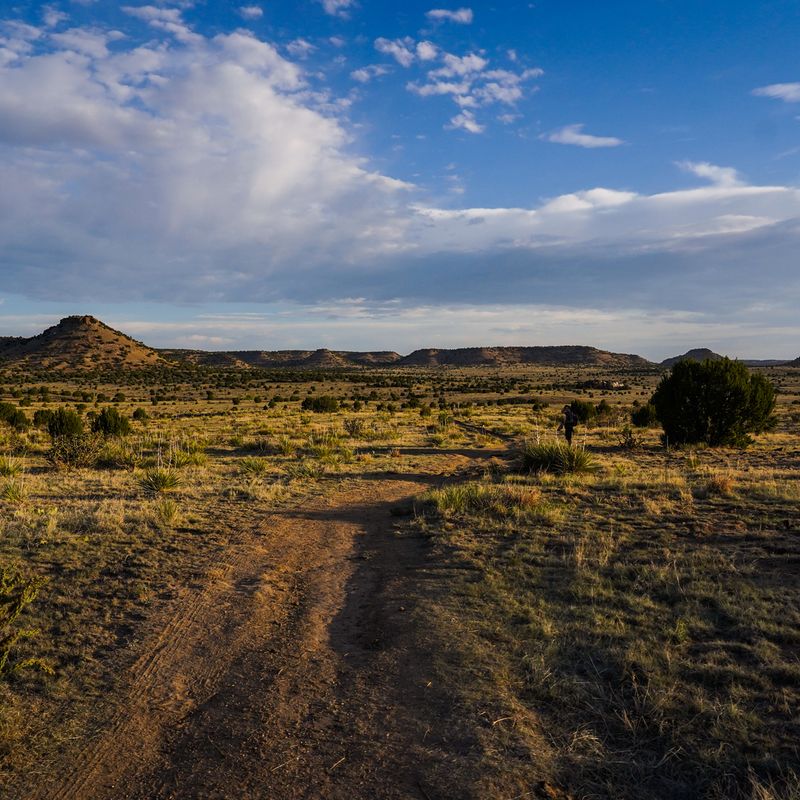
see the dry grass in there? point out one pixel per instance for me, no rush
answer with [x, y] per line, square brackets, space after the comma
[636, 624]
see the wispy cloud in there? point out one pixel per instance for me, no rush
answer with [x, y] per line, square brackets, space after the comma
[462, 16]
[337, 8]
[719, 176]
[251, 12]
[399, 49]
[466, 121]
[366, 74]
[788, 92]
[574, 135]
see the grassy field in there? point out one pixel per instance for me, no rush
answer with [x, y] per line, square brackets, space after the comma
[629, 630]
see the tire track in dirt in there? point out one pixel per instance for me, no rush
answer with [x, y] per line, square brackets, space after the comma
[239, 693]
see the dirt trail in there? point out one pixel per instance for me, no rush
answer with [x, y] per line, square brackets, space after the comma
[285, 677]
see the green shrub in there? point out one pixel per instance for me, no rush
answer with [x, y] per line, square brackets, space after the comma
[320, 405]
[556, 457]
[714, 402]
[109, 422]
[140, 415]
[644, 416]
[584, 410]
[41, 418]
[64, 423]
[14, 417]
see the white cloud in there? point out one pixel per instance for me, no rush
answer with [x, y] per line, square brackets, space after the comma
[53, 17]
[168, 20]
[87, 41]
[466, 121]
[399, 49]
[337, 8]
[720, 176]
[300, 48]
[455, 66]
[366, 74]
[251, 12]
[337, 41]
[427, 51]
[463, 16]
[573, 134]
[788, 92]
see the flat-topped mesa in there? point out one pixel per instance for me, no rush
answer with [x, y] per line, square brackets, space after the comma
[577, 355]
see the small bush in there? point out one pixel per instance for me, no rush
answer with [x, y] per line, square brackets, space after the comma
[556, 457]
[140, 415]
[14, 417]
[16, 594]
[109, 422]
[644, 416]
[584, 410]
[72, 452]
[354, 427]
[64, 423]
[159, 481]
[320, 405]
[41, 418]
[629, 439]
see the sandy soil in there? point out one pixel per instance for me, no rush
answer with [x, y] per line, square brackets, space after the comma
[293, 674]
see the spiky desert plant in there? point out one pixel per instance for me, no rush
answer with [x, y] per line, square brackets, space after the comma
[556, 457]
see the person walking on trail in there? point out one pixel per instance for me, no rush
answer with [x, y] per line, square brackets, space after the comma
[568, 422]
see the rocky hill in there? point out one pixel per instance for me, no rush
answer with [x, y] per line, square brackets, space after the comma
[698, 354]
[78, 344]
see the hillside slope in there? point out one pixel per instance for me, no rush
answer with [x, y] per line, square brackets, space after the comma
[78, 343]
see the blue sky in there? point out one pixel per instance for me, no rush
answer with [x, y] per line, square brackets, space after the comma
[366, 175]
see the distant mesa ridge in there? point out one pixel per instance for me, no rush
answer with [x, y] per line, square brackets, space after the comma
[84, 343]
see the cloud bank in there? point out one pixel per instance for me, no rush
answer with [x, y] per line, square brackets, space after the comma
[206, 169]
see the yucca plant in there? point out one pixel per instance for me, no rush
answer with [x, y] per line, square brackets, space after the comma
[250, 465]
[555, 457]
[10, 466]
[159, 480]
[14, 491]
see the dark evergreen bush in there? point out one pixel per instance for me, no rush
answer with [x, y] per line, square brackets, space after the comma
[584, 410]
[64, 422]
[322, 404]
[713, 402]
[42, 417]
[14, 417]
[110, 422]
[644, 416]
